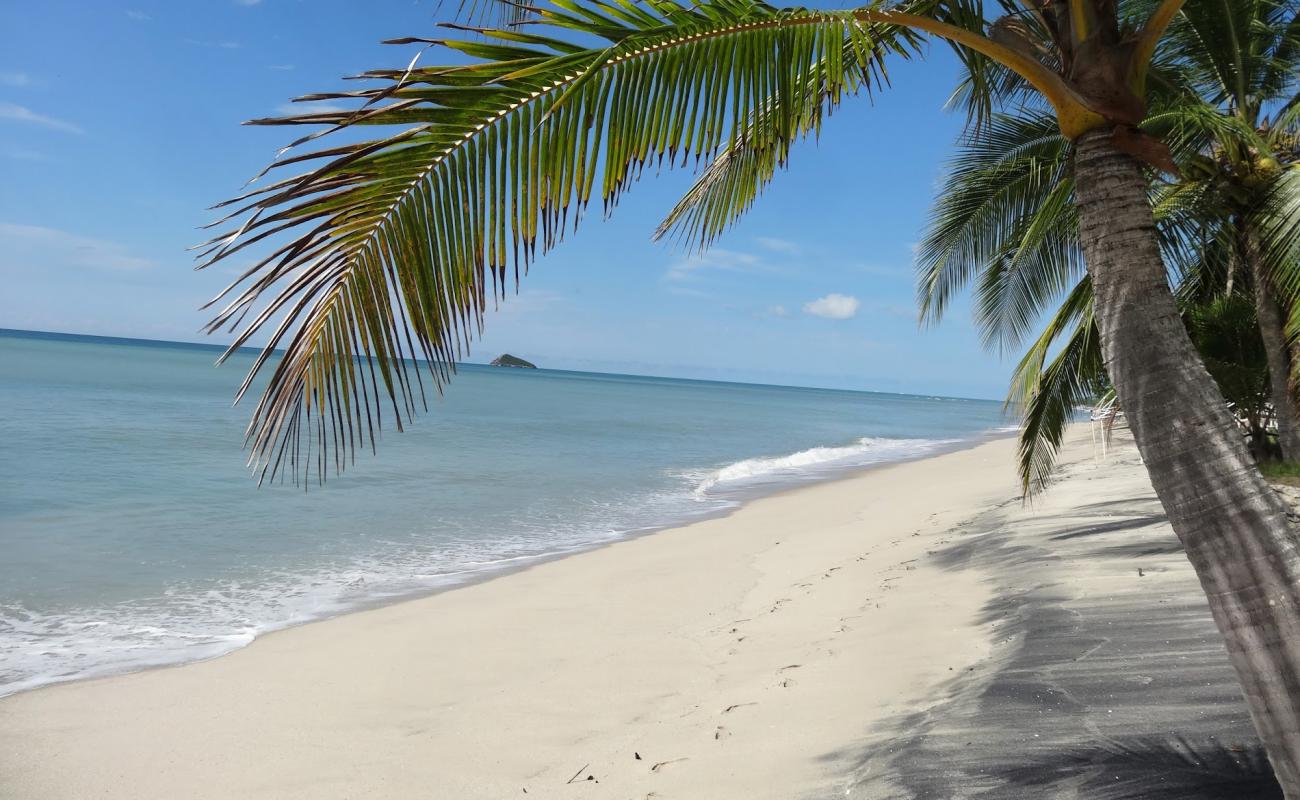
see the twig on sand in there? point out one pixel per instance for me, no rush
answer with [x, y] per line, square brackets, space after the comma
[659, 764]
[576, 774]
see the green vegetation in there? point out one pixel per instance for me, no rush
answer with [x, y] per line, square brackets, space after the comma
[1287, 472]
[1224, 98]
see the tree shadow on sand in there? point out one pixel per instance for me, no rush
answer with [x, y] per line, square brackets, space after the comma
[1107, 679]
[1152, 768]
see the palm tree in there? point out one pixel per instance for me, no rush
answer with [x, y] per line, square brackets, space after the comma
[1002, 219]
[386, 250]
[1244, 58]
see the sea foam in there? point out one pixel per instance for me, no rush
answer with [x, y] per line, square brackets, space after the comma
[814, 463]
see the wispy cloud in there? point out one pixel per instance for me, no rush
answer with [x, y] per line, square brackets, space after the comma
[687, 291]
[833, 306]
[715, 259]
[18, 80]
[280, 67]
[778, 311]
[782, 246]
[225, 44]
[247, 3]
[37, 247]
[23, 154]
[138, 16]
[16, 113]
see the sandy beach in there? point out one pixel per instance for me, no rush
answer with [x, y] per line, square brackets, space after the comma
[912, 631]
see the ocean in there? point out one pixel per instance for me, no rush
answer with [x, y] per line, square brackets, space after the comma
[131, 535]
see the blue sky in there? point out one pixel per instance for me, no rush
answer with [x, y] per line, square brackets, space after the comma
[119, 126]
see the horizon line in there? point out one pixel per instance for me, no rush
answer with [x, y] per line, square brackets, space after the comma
[137, 341]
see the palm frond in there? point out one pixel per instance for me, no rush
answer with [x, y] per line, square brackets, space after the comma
[986, 87]
[736, 176]
[386, 252]
[493, 13]
[1047, 392]
[1004, 214]
[1275, 222]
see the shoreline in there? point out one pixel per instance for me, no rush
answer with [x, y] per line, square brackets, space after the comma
[913, 631]
[689, 648]
[495, 570]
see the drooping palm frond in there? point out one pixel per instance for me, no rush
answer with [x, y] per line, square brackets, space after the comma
[385, 252]
[1276, 222]
[986, 87]
[492, 13]
[737, 175]
[1195, 239]
[1004, 218]
[1047, 391]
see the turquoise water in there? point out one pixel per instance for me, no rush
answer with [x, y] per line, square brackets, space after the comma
[132, 536]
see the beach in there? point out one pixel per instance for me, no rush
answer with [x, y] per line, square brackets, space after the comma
[914, 630]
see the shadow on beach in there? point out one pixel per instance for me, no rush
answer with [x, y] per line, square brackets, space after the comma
[1108, 679]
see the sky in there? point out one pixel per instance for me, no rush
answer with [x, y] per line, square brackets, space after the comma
[120, 126]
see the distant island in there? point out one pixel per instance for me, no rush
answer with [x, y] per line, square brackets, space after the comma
[507, 360]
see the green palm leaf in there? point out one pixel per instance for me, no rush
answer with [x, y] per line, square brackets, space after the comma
[386, 252]
[1047, 388]
[1004, 216]
[734, 179]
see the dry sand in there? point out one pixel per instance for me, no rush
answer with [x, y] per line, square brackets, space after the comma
[860, 637]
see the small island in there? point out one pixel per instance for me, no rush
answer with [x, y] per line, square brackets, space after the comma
[507, 360]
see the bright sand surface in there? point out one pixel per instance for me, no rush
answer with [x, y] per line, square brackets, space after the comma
[750, 656]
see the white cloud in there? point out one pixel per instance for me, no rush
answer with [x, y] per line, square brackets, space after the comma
[780, 246]
[23, 154]
[833, 306]
[16, 79]
[717, 258]
[33, 247]
[247, 2]
[778, 311]
[225, 44]
[281, 67]
[686, 291]
[138, 16]
[17, 113]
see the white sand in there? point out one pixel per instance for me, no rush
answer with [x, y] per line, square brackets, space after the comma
[741, 657]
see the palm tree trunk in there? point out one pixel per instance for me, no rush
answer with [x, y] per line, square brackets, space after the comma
[1273, 333]
[1232, 525]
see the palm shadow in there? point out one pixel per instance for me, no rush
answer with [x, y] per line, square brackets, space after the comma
[1152, 768]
